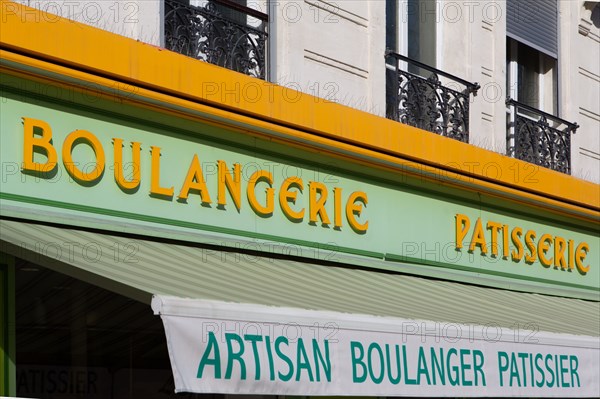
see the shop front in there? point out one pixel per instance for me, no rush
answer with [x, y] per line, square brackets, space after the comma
[155, 243]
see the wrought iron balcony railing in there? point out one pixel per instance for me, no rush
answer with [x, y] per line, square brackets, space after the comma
[538, 137]
[221, 32]
[425, 102]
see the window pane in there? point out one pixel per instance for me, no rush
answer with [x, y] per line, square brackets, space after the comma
[391, 30]
[528, 88]
[421, 31]
[76, 340]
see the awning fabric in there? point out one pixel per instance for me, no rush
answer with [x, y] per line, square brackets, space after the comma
[243, 324]
[141, 268]
[231, 348]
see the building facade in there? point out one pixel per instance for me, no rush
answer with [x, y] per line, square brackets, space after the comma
[537, 53]
[358, 198]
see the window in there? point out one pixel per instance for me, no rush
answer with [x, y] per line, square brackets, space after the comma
[421, 26]
[411, 29]
[417, 93]
[532, 51]
[76, 340]
[535, 133]
[227, 33]
[532, 77]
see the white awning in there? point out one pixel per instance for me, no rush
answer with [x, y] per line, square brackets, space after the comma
[219, 347]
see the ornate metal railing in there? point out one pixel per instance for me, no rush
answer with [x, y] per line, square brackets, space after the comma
[220, 32]
[538, 137]
[423, 101]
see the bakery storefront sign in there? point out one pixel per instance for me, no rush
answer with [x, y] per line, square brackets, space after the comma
[189, 176]
[218, 347]
[38, 138]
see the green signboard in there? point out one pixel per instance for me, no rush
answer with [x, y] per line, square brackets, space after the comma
[105, 158]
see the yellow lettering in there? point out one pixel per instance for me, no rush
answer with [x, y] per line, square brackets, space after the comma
[257, 177]
[30, 141]
[571, 255]
[83, 136]
[135, 165]
[354, 206]
[580, 254]
[317, 199]
[195, 181]
[559, 252]
[505, 241]
[337, 208]
[462, 224]
[515, 235]
[529, 238]
[229, 182]
[285, 196]
[478, 238]
[155, 188]
[494, 228]
[543, 247]
[525, 245]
